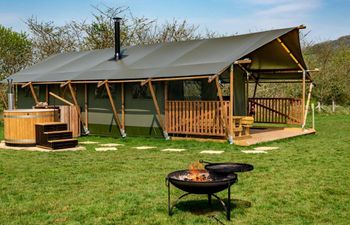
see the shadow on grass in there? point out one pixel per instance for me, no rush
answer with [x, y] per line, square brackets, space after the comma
[201, 207]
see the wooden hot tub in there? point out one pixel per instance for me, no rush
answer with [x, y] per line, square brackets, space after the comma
[19, 124]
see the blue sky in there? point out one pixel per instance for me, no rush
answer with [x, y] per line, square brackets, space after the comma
[325, 19]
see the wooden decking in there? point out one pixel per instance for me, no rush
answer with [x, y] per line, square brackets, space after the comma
[272, 134]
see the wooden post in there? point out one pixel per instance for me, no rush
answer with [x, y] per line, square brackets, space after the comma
[75, 101]
[115, 113]
[291, 55]
[32, 91]
[333, 106]
[223, 108]
[307, 105]
[231, 103]
[61, 99]
[47, 94]
[155, 102]
[123, 105]
[86, 106]
[166, 104]
[247, 95]
[313, 115]
[303, 99]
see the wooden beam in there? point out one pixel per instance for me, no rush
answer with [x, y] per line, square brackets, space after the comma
[61, 99]
[33, 93]
[123, 105]
[243, 61]
[256, 86]
[65, 83]
[74, 98]
[223, 108]
[303, 93]
[86, 106]
[247, 94]
[166, 104]
[159, 116]
[115, 113]
[290, 54]
[75, 101]
[101, 83]
[47, 93]
[231, 102]
[307, 105]
[211, 78]
[26, 84]
[143, 83]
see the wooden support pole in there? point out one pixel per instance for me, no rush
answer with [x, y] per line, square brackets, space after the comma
[303, 97]
[290, 54]
[313, 115]
[101, 83]
[115, 113]
[247, 95]
[156, 105]
[166, 105]
[86, 106]
[243, 61]
[33, 93]
[256, 87]
[231, 103]
[30, 84]
[61, 99]
[75, 101]
[143, 83]
[47, 93]
[223, 108]
[65, 83]
[307, 105]
[123, 105]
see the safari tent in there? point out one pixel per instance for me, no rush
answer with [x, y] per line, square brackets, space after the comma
[196, 88]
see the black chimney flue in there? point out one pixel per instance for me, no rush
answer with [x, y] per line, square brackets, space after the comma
[117, 54]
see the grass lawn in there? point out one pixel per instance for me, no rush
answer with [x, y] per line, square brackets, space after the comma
[306, 181]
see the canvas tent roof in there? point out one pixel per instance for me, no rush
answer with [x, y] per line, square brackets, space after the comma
[176, 59]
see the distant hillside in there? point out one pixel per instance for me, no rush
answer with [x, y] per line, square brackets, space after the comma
[344, 40]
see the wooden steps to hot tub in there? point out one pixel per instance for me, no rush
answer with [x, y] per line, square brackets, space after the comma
[54, 135]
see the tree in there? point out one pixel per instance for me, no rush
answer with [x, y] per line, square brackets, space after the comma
[15, 51]
[48, 38]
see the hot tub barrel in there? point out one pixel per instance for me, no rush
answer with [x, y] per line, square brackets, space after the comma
[19, 125]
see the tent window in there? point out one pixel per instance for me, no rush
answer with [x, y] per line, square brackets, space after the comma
[28, 93]
[192, 89]
[102, 92]
[141, 92]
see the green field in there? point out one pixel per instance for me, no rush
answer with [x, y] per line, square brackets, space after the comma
[306, 181]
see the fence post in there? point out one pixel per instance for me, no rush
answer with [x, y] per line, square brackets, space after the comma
[333, 106]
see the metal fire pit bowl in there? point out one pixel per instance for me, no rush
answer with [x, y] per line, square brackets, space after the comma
[218, 182]
[228, 167]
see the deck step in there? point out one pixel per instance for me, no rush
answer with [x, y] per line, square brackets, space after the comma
[57, 135]
[62, 143]
[54, 135]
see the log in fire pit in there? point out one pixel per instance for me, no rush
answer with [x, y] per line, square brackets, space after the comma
[197, 180]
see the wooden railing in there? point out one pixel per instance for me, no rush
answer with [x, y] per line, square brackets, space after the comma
[276, 110]
[195, 117]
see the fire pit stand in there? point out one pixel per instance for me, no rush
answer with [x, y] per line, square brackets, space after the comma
[226, 206]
